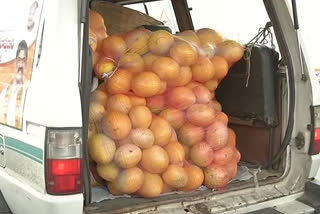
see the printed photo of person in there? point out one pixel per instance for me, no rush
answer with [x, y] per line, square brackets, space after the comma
[31, 16]
[12, 96]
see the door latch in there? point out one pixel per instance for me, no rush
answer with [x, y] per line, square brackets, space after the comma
[2, 147]
[1, 150]
[300, 142]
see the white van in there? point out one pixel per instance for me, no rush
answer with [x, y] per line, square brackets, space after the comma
[45, 83]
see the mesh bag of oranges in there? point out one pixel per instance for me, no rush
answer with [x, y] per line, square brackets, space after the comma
[155, 125]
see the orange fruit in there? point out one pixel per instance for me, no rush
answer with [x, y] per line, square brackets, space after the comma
[137, 101]
[181, 98]
[119, 82]
[190, 37]
[217, 135]
[190, 134]
[232, 168]
[113, 47]
[137, 41]
[163, 87]
[96, 24]
[203, 70]
[148, 59]
[104, 67]
[201, 154]
[211, 84]
[93, 181]
[231, 138]
[152, 185]
[141, 137]
[186, 151]
[237, 155]
[166, 68]
[93, 42]
[127, 156]
[183, 53]
[146, 84]
[175, 176]
[231, 50]
[160, 42]
[130, 180]
[209, 36]
[101, 148]
[133, 62]
[175, 117]
[195, 178]
[167, 188]
[126, 140]
[184, 77]
[193, 84]
[117, 125]
[140, 117]
[114, 189]
[224, 155]
[119, 102]
[175, 151]
[215, 105]
[96, 112]
[108, 172]
[200, 115]
[156, 103]
[155, 159]
[216, 176]
[161, 130]
[221, 67]
[92, 129]
[220, 116]
[99, 96]
[203, 95]
[95, 59]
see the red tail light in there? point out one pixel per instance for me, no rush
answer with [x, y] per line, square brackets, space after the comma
[314, 148]
[63, 162]
[316, 142]
[64, 176]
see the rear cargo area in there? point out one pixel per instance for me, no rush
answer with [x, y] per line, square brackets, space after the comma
[103, 201]
[254, 100]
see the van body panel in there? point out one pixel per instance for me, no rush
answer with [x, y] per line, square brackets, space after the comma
[317, 177]
[23, 198]
[25, 155]
[280, 15]
[25, 165]
[312, 77]
[314, 168]
[53, 98]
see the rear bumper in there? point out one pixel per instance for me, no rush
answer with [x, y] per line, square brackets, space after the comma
[311, 196]
[4, 209]
[309, 202]
[22, 199]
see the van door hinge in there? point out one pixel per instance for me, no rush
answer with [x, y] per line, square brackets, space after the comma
[300, 141]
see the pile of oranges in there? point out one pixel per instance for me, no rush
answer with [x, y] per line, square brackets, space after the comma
[155, 125]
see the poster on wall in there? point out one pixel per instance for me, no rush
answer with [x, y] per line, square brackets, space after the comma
[17, 47]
